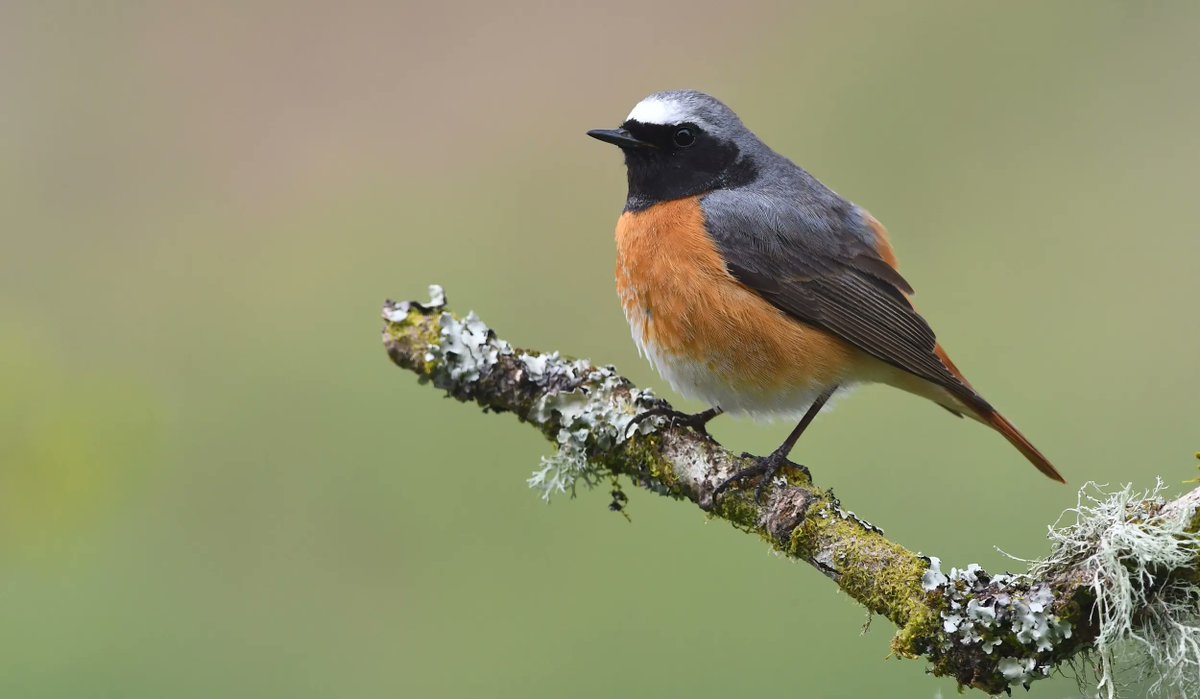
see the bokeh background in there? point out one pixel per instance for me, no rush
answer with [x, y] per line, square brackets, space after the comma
[213, 483]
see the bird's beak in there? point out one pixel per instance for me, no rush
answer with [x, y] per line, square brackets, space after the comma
[619, 137]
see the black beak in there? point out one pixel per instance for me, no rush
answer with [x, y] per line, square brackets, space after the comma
[619, 137]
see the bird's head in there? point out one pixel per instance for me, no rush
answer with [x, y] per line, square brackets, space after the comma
[680, 144]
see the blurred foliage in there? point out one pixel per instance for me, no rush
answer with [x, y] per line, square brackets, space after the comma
[74, 446]
[213, 483]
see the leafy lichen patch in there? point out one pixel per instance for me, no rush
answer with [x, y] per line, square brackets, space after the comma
[1004, 615]
[1133, 554]
[849, 514]
[467, 351]
[594, 416]
[398, 311]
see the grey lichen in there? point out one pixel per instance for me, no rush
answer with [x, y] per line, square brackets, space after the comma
[468, 349]
[593, 407]
[594, 416]
[933, 577]
[1010, 612]
[1122, 544]
[397, 311]
[849, 514]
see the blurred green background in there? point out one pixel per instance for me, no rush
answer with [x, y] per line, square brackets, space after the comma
[213, 483]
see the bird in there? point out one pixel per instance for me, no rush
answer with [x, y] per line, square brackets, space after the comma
[757, 290]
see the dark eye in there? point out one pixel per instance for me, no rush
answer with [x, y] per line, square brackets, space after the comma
[684, 138]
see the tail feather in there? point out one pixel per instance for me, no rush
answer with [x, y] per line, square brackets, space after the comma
[1014, 436]
[986, 414]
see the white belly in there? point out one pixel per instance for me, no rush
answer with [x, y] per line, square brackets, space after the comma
[699, 381]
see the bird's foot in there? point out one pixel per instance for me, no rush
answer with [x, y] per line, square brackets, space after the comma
[764, 470]
[698, 422]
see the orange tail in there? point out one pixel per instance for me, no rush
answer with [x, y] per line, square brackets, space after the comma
[1004, 427]
[988, 415]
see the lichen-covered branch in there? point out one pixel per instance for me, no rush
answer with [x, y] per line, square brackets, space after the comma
[1124, 574]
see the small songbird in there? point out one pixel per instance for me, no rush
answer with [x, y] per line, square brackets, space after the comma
[756, 289]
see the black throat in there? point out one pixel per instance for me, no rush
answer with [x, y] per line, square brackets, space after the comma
[667, 172]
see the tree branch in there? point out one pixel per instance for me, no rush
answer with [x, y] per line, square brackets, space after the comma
[1126, 569]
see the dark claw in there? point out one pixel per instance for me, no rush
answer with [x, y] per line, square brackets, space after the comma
[768, 466]
[653, 412]
[765, 470]
[697, 422]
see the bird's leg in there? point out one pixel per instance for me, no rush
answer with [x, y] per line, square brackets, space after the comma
[697, 422]
[769, 465]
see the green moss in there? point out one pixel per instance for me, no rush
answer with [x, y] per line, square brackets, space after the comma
[741, 511]
[647, 450]
[416, 333]
[639, 457]
[797, 478]
[817, 525]
[881, 575]
[916, 636]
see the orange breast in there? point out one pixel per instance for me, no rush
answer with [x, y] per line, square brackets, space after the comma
[710, 336]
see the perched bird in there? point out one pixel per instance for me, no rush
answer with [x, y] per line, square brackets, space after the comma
[756, 289]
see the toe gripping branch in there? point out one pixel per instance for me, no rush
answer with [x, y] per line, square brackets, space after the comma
[764, 470]
[697, 421]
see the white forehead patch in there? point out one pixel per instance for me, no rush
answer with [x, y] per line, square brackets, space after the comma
[659, 110]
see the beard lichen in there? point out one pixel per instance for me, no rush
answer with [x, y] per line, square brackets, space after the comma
[1132, 552]
[1134, 560]
[593, 416]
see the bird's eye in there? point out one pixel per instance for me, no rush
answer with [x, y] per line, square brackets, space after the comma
[684, 138]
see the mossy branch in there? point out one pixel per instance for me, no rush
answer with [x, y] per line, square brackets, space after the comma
[1126, 568]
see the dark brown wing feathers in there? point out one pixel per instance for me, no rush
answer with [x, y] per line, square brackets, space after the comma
[853, 289]
[859, 307]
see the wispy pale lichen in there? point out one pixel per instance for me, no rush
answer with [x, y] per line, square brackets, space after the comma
[589, 407]
[594, 415]
[1122, 543]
